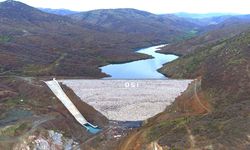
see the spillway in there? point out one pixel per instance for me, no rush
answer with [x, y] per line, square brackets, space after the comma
[60, 94]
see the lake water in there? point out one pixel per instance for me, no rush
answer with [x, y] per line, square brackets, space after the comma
[141, 69]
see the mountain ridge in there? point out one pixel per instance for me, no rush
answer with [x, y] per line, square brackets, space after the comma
[120, 20]
[62, 11]
[50, 40]
[213, 113]
[228, 28]
[55, 42]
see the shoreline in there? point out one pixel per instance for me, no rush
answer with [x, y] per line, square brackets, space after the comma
[154, 62]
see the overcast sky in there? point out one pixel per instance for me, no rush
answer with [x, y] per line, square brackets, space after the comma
[154, 6]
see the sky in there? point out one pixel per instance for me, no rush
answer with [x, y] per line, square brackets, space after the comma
[154, 6]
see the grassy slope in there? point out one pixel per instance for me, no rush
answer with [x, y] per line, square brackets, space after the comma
[223, 70]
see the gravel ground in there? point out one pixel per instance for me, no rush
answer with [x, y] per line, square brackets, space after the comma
[128, 100]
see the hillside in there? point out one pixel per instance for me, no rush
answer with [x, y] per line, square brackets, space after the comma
[30, 112]
[35, 43]
[136, 22]
[228, 28]
[213, 113]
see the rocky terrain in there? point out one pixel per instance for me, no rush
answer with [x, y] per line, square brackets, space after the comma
[128, 100]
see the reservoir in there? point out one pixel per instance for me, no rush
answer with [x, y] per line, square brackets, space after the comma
[141, 69]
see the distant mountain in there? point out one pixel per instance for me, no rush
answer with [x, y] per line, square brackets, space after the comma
[206, 19]
[213, 113]
[227, 28]
[202, 16]
[58, 11]
[18, 11]
[33, 40]
[36, 43]
[214, 20]
[134, 21]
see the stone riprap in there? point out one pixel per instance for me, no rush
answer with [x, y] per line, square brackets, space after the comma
[128, 100]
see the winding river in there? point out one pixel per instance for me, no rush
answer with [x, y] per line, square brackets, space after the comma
[141, 69]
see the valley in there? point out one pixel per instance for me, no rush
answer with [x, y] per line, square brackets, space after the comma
[33, 40]
[114, 65]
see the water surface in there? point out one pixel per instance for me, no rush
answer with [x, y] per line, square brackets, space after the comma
[141, 69]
